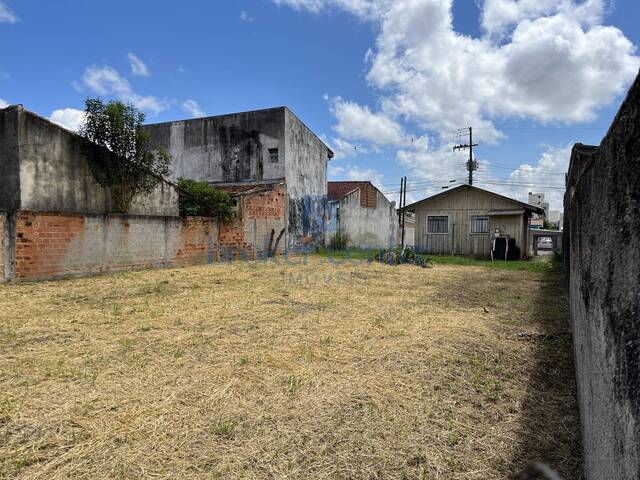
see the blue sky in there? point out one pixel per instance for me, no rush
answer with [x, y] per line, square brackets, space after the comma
[384, 81]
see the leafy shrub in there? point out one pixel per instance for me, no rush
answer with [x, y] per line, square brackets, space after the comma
[339, 241]
[389, 257]
[120, 151]
[201, 199]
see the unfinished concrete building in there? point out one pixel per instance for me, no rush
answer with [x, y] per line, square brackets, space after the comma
[361, 211]
[270, 148]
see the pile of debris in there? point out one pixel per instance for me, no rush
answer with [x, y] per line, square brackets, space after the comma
[407, 255]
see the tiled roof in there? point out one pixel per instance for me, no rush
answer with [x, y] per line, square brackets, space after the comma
[338, 190]
[244, 189]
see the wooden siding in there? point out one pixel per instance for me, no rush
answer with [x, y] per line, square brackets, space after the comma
[368, 197]
[459, 207]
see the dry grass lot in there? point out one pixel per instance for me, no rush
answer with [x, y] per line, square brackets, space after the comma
[242, 372]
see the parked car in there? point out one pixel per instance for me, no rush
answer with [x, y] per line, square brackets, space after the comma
[545, 243]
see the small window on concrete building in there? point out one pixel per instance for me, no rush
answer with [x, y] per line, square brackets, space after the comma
[479, 224]
[437, 224]
[273, 155]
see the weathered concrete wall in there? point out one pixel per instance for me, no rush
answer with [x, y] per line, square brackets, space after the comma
[602, 220]
[306, 159]
[367, 227]
[226, 148]
[43, 168]
[9, 163]
[3, 241]
[49, 244]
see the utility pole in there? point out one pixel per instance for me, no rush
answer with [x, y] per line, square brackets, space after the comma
[404, 204]
[400, 201]
[471, 163]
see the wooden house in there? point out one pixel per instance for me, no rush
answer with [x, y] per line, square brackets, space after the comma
[466, 219]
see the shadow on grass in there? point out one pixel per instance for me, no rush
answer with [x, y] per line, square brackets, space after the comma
[549, 430]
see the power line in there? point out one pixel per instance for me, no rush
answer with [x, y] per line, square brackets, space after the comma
[471, 164]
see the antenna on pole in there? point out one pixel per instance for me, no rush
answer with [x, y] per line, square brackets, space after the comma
[471, 163]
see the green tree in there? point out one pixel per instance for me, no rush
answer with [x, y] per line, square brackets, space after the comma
[119, 150]
[201, 199]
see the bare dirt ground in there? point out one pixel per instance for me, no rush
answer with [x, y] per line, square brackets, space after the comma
[356, 371]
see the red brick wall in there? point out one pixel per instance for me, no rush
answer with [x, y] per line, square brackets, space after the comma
[265, 205]
[49, 244]
[198, 239]
[231, 238]
[53, 244]
[263, 213]
[42, 241]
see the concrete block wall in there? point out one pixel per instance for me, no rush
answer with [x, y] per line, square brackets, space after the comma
[260, 214]
[49, 244]
[602, 241]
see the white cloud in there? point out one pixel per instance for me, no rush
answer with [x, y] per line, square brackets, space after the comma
[107, 81]
[69, 118]
[551, 68]
[336, 171]
[500, 15]
[362, 174]
[365, 9]
[245, 17]
[432, 166]
[553, 60]
[138, 67]
[547, 176]
[193, 109]
[357, 122]
[3, 103]
[6, 14]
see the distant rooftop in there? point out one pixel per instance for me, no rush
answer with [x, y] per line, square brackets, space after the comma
[336, 191]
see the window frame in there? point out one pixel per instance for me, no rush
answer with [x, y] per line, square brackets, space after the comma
[471, 217]
[274, 151]
[438, 233]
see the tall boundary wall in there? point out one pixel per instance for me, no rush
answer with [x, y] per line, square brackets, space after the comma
[602, 241]
[45, 244]
[38, 245]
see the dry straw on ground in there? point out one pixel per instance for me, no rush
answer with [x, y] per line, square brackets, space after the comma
[355, 371]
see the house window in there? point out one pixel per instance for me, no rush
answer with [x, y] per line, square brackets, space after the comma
[437, 224]
[479, 224]
[273, 155]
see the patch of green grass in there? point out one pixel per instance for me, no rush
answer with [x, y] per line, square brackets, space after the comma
[223, 428]
[540, 264]
[537, 264]
[293, 383]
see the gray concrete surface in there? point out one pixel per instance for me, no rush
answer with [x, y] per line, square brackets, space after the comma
[366, 227]
[602, 239]
[235, 148]
[43, 168]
